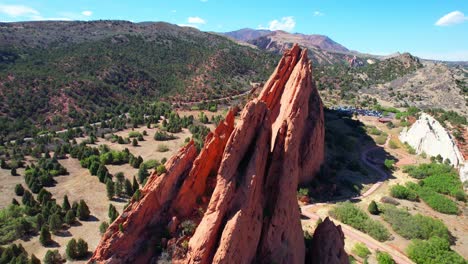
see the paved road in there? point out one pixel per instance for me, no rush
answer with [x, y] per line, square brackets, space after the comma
[354, 234]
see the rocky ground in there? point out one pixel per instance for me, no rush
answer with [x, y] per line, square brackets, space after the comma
[432, 86]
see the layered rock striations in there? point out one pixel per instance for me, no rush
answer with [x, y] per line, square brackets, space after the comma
[249, 174]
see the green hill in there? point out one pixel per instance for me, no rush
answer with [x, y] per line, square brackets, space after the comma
[58, 74]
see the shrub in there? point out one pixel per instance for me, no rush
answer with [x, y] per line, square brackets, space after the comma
[401, 192]
[19, 189]
[112, 213]
[45, 237]
[70, 217]
[103, 227]
[188, 227]
[384, 258]
[425, 170]
[83, 212]
[81, 248]
[351, 215]
[162, 148]
[55, 223]
[163, 136]
[361, 250]
[71, 249]
[134, 134]
[414, 226]
[53, 257]
[380, 140]
[436, 250]
[392, 144]
[389, 164]
[161, 169]
[373, 208]
[437, 201]
[445, 183]
[374, 131]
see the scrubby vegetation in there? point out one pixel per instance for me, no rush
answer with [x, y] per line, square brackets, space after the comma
[351, 215]
[413, 226]
[402, 192]
[436, 179]
[436, 250]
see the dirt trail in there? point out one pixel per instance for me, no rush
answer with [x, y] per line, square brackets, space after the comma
[353, 233]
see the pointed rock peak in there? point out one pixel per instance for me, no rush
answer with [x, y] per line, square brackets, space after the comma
[240, 190]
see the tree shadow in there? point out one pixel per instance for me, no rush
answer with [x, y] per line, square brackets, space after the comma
[63, 233]
[91, 218]
[353, 160]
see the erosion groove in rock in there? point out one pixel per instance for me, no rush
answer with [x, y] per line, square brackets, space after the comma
[246, 176]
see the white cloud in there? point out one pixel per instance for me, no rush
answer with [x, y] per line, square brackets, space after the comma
[173, 11]
[18, 10]
[452, 18]
[318, 13]
[204, 1]
[87, 13]
[196, 20]
[285, 23]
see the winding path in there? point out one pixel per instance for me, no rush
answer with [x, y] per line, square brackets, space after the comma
[352, 233]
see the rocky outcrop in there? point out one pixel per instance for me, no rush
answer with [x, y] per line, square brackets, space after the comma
[429, 136]
[327, 245]
[249, 174]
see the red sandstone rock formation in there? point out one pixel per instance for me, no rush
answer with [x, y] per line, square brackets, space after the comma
[255, 168]
[327, 245]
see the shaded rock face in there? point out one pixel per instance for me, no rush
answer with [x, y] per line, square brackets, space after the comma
[249, 174]
[327, 245]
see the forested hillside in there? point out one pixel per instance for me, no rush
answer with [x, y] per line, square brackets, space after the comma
[59, 74]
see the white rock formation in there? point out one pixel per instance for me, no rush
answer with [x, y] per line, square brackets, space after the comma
[429, 136]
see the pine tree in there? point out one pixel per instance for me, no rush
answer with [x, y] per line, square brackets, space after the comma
[44, 237]
[70, 217]
[134, 142]
[128, 188]
[14, 202]
[81, 248]
[71, 249]
[110, 189]
[39, 221]
[373, 208]
[65, 204]
[53, 257]
[55, 223]
[102, 172]
[103, 227]
[13, 172]
[75, 207]
[112, 213]
[135, 185]
[19, 189]
[83, 212]
[44, 196]
[142, 174]
[28, 199]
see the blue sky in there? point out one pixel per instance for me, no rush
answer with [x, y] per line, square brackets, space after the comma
[373, 26]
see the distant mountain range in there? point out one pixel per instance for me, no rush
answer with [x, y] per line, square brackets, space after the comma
[280, 40]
